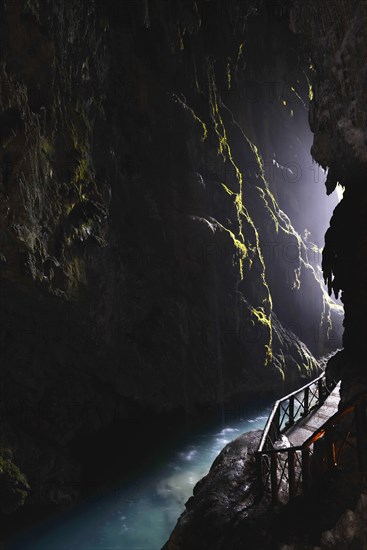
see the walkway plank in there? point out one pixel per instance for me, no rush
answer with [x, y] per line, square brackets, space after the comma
[302, 430]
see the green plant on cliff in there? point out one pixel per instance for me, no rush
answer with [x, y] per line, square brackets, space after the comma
[243, 214]
[14, 486]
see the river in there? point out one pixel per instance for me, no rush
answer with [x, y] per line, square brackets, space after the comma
[140, 513]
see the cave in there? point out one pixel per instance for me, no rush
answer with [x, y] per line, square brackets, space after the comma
[182, 243]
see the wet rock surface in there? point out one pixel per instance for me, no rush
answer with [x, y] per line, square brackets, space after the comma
[337, 117]
[135, 267]
[222, 501]
[226, 510]
[334, 515]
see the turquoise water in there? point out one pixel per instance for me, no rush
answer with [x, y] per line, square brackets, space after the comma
[141, 513]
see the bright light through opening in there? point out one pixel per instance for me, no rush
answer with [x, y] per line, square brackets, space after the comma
[339, 191]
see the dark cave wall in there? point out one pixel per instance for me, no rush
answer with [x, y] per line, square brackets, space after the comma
[337, 41]
[271, 106]
[133, 245]
[334, 36]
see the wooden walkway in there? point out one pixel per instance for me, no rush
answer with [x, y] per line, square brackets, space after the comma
[305, 427]
[287, 462]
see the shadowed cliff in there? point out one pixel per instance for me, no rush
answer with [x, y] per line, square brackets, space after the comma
[226, 511]
[148, 261]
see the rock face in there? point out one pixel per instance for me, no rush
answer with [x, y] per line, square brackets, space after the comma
[335, 33]
[334, 515]
[226, 511]
[350, 529]
[147, 259]
[222, 501]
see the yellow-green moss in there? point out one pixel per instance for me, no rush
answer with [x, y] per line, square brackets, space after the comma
[82, 171]
[46, 146]
[310, 89]
[240, 52]
[229, 73]
[194, 115]
[224, 150]
[265, 320]
[14, 487]
[297, 95]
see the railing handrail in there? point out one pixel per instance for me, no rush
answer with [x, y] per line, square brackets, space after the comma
[322, 375]
[357, 406]
[316, 435]
[279, 402]
[334, 419]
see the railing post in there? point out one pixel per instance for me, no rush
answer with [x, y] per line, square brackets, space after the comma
[274, 477]
[320, 385]
[267, 460]
[291, 411]
[275, 428]
[292, 473]
[306, 401]
[305, 469]
[259, 473]
[361, 429]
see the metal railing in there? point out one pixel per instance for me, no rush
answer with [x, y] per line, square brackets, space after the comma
[340, 442]
[287, 471]
[293, 407]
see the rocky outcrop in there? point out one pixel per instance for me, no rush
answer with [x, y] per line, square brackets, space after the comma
[335, 33]
[137, 270]
[13, 484]
[223, 500]
[350, 529]
[227, 511]
[333, 515]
